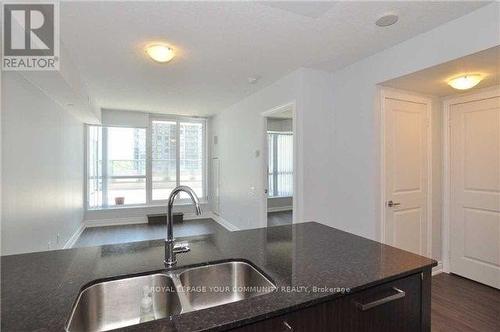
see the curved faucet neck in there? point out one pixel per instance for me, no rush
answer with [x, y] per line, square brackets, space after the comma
[171, 199]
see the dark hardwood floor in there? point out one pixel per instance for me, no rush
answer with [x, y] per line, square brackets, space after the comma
[460, 304]
[279, 218]
[96, 236]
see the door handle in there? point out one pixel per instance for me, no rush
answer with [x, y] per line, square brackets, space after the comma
[366, 306]
[393, 204]
[287, 326]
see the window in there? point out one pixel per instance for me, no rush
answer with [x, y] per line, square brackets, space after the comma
[177, 165]
[126, 166]
[191, 156]
[116, 166]
[164, 150]
[121, 170]
[280, 170]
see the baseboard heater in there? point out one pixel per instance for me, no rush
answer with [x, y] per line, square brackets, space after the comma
[161, 218]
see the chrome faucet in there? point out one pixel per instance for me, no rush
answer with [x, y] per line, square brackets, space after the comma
[172, 248]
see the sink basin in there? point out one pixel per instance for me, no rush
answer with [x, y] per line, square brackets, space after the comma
[217, 284]
[114, 304]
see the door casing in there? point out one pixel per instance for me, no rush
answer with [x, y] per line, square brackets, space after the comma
[296, 164]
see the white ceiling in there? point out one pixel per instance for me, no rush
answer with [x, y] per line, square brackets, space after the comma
[220, 44]
[433, 80]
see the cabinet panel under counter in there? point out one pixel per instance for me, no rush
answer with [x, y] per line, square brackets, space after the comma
[392, 306]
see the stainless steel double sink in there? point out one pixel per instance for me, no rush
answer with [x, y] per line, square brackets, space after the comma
[117, 303]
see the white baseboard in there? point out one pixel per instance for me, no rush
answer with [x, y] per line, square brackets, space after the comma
[72, 240]
[115, 222]
[223, 222]
[194, 216]
[437, 269]
[280, 208]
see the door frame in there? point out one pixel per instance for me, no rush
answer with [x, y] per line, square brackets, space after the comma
[295, 198]
[448, 102]
[390, 93]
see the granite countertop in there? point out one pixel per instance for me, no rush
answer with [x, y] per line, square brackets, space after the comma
[39, 289]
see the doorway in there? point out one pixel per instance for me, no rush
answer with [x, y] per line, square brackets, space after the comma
[472, 190]
[463, 209]
[406, 171]
[278, 164]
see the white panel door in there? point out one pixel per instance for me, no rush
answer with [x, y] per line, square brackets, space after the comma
[475, 190]
[406, 168]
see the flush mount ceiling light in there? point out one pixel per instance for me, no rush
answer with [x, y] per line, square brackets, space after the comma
[465, 82]
[160, 52]
[387, 20]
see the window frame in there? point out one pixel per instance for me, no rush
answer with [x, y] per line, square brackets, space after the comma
[149, 161]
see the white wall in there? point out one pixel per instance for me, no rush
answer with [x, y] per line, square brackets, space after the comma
[121, 118]
[240, 131]
[355, 187]
[42, 169]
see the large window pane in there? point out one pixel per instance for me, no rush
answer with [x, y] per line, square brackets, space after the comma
[284, 147]
[280, 148]
[270, 167]
[126, 151]
[164, 163]
[191, 156]
[126, 166]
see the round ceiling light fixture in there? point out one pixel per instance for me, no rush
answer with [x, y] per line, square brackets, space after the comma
[160, 52]
[465, 82]
[387, 20]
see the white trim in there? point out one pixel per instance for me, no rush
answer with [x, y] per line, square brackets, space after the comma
[447, 103]
[437, 269]
[280, 208]
[296, 167]
[417, 98]
[72, 240]
[194, 216]
[278, 197]
[149, 161]
[226, 224]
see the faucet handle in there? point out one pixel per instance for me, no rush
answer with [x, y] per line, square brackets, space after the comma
[181, 247]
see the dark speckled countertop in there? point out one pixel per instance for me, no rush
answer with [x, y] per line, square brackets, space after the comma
[38, 289]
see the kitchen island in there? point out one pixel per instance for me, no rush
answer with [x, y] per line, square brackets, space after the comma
[326, 279]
